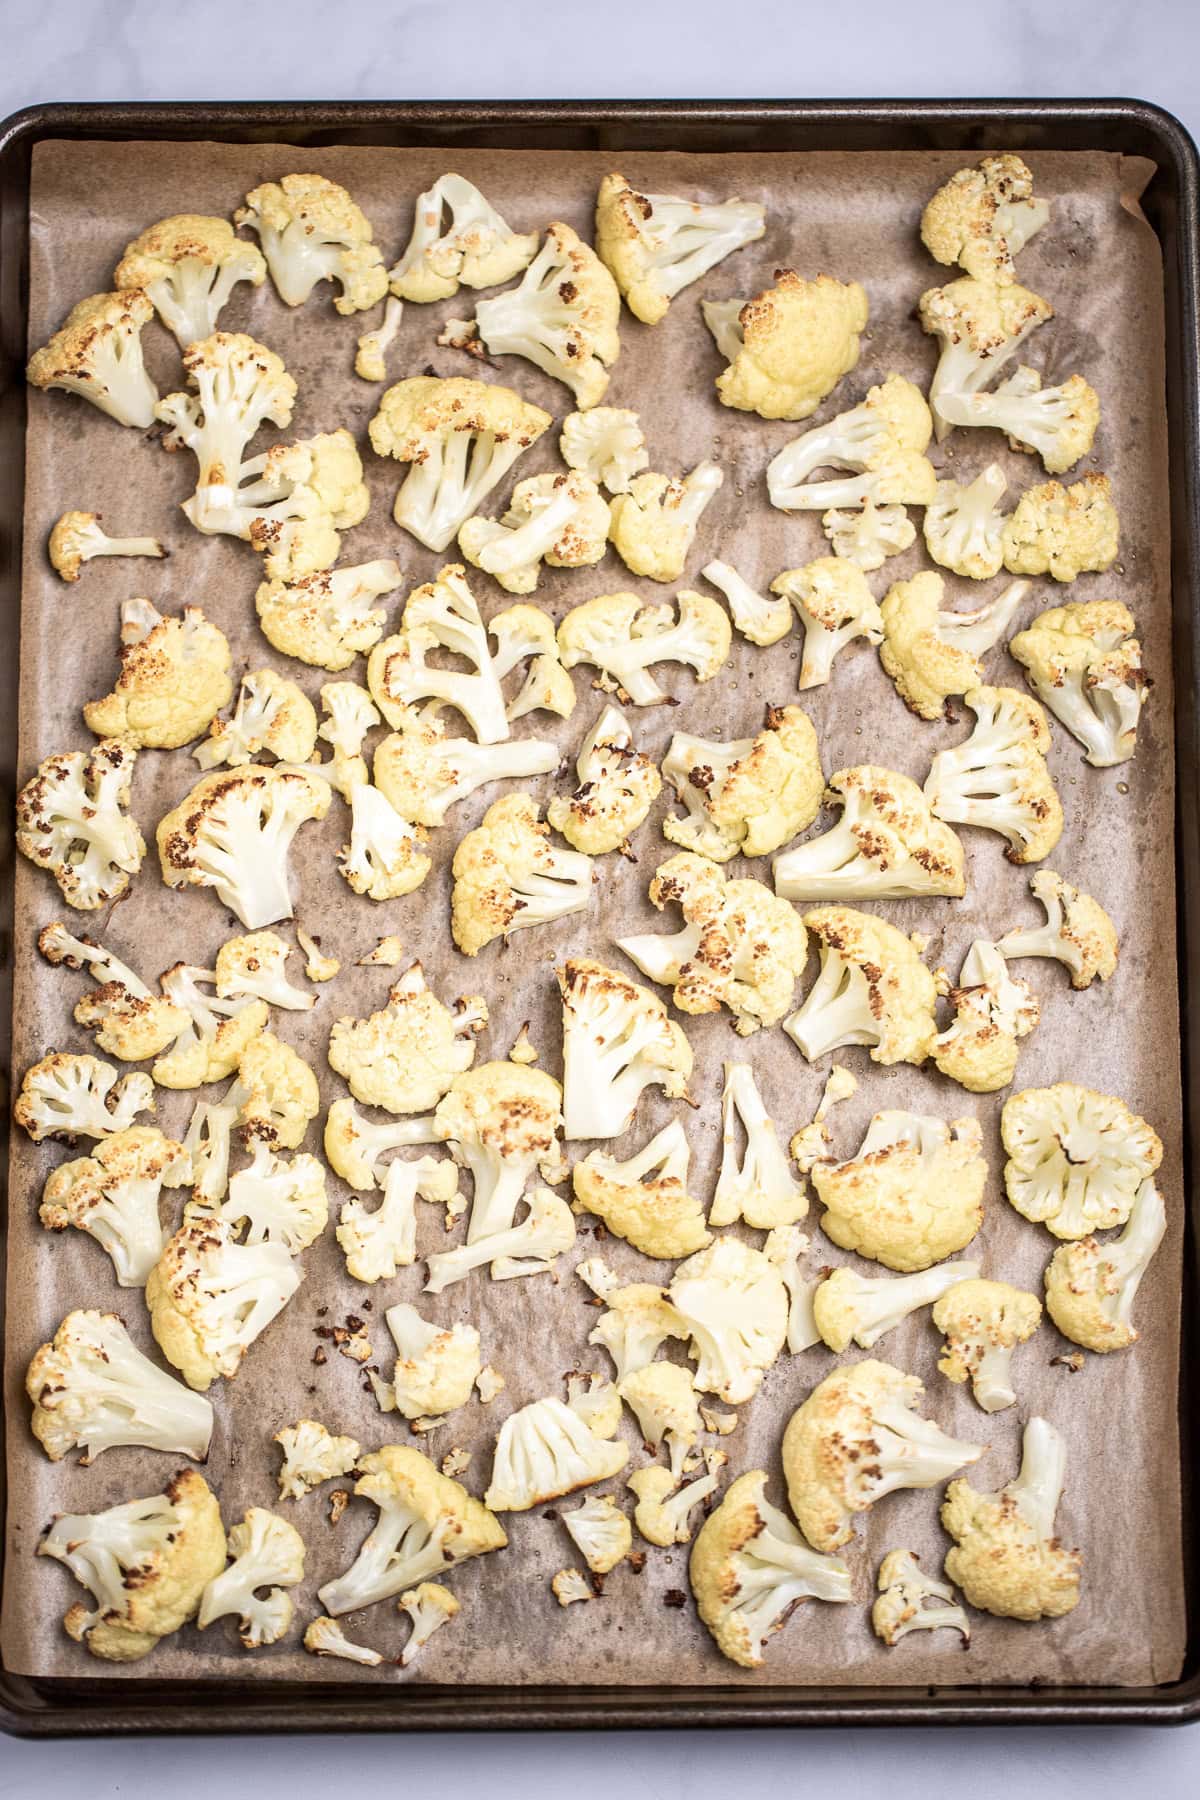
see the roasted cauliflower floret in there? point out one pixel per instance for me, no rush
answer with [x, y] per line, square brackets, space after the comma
[1063, 531]
[734, 1309]
[272, 714]
[1056, 423]
[623, 638]
[458, 239]
[508, 876]
[998, 779]
[600, 1532]
[758, 1187]
[757, 619]
[853, 1308]
[98, 353]
[931, 654]
[268, 1553]
[544, 1451]
[1083, 662]
[282, 1096]
[1077, 933]
[868, 536]
[834, 605]
[328, 618]
[501, 1122]
[872, 989]
[879, 445]
[654, 522]
[747, 797]
[73, 820]
[992, 1012]
[605, 443]
[980, 325]
[93, 1390]
[406, 1057]
[67, 1096]
[129, 1021]
[385, 857]
[239, 385]
[77, 537]
[113, 1195]
[312, 231]
[174, 679]
[215, 1030]
[903, 1591]
[637, 1321]
[1091, 1287]
[791, 345]
[189, 265]
[982, 217]
[964, 526]
[562, 316]
[1006, 1557]
[982, 1323]
[209, 1296]
[658, 244]
[1076, 1159]
[311, 1455]
[232, 833]
[912, 1194]
[424, 773]
[377, 1244]
[886, 845]
[436, 1365]
[617, 788]
[562, 520]
[644, 1199]
[617, 1040]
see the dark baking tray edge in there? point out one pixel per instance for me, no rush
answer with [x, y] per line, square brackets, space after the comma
[47, 1708]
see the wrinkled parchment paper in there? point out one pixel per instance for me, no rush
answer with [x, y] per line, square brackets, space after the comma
[853, 216]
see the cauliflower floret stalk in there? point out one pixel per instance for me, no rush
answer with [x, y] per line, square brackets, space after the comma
[749, 796]
[424, 773]
[278, 1202]
[759, 620]
[992, 1011]
[1076, 1159]
[268, 1553]
[544, 1451]
[872, 989]
[998, 779]
[789, 346]
[77, 537]
[853, 1308]
[1077, 933]
[240, 385]
[982, 1323]
[67, 1096]
[931, 654]
[658, 244]
[93, 1390]
[750, 1569]
[661, 1515]
[856, 1438]
[311, 1455]
[562, 316]
[210, 1297]
[255, 966]
[98, 353]
[911, 1195]
[868, 535]
[509, 877]
[146, 1563]
[637, 1321]
[429, 1607]
[427, 1522]
[887, 845]
[834, 605]
[663, 1401]
[325, 1637]
[501, 1122]
[377, 1244]
[370, 358]
[1083, 662]
[758, 1187]
[741, 946]
[405, 1057]
[129, 1021]
[654, 521]
[73, 820]
[644, 1198]
[980, 326]
[600, 1532]
[327, 618]
[232, 832]
[605, 443]
[982, 217]
[458, 239]
[562, 519]
[1007, 1558]
[881, 445]
[443, 615]
[903, 1592]
[383, 859]
[617, 787]
[436, 1365]
[964, 526]
[529, 1248]
[312, 231]
[271, 714]
[1091, 1287]
[295, 501]
[350, 714]
[785, 1245]
[617, 1040]
[215, 1031]
[734, 1308]
[1056, 423]
[113, 1195]
[189, 265]
[623, 638]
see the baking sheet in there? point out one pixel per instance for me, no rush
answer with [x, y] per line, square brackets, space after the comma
[853, 216]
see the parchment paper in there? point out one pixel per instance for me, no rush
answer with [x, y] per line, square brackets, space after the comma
[852, 216]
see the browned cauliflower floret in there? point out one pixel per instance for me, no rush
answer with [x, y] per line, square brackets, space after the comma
[73, 820]
[911, 1195]
[654, 521]
[617, 1040]
[980, 325]
[406, 1057]
[272, 714]
[747, 797]
[992, 1012]
[1006, 1558]
[997, 779]
[129, 1021]
[644, 1199]
[658, 244]
[562, 520]
[1063, 531]
[886, 845]
[311, 231]
[232, 833]
[77, 537]
[328, 618]
[617, 788]
[1076, 1159]
[282, 1096]
[872, 989]
[982, 1323]
[1083, 662]
[1091, 1287]
[174, 679]
[931, 654]
[476, 248]
[1077, 933]
[562, 316]
[189, 265]
[982, 217]
[508, 876]
[113, 1195]
[792, 344]
[98, 353]
[624, 638]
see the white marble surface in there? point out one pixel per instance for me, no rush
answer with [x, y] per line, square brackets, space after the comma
[231, 49]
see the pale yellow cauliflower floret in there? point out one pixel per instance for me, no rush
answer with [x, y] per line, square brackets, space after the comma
[798, 340]
[653, 522]
[282, 1092]
[174, 680]
[645, 1199]
[911, 1196]
[405, 1057]
[508, 876]
[1063, 531]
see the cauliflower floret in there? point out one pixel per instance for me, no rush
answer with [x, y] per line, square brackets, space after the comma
[311, 1455]
[1063, 531]
[662, 1515]
[853, 1308]
[997, 779]
[67, 1096]
[872, 989]
[759, 1188]
[637, 1321]
[384, 859]
[1077, 933]
[73, 820]
[268, 1553]
[1091, 1287]
[759, 620]
[378, 1243]
[980, 325]
[174, 679]
[964, 525]
[189, 265]
[790, 345]
[654, 522]
[295, 501]
[870, 534]
[406, 1057]
[271, 714]
[474, 247]
[645, 1199]
[658, 244]
[546, 1232]
[209, 1140]
[1007, 1558]
[605, 444]
[617, 1040]
[750, 1567]
[624, 638]
[982, 217]
[77, 537]
[992, 1011]
[354, 1145]
[232, 833]
[740, 946]
[501, 1122]
[617, 788]
[901, 1608]
[312, 231]
[113, 1195]
[427, 1522]
[325, 1637]
[856, 1438]
[209, 1296]
[912, 1195]
[597, 1401]
[436, 1365]
[1056, 423]
[562, 316]
[316, 966]
[93, 1390]
[255, 967]
[1076, 1158]
[146, 1563]
[215, 1031]
[734, 1309]
[600, 1532]
[98, 353]
[561, 519]
[881, 443]
[663, 1400]
[785, 1245]
[812, 1143]
[424, 773]
[982, 1323]
[1083, 662]
[546, 688]
[350, 714]
[429, 1607]
[931, 654]
[370, 358]
[326, 619]
[749, 796]
[129, 1021]
[461, 438]
[834, 605]
[544, 1451]
[240, 385]
[886, 845]
[278, 1202]
[508, 877]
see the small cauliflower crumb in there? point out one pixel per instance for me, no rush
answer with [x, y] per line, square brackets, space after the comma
[316, 966]
[456, 1461]
[722, 1423]
[569, 1585]
[488, 1383]
[387, 954]
[522, 1050]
